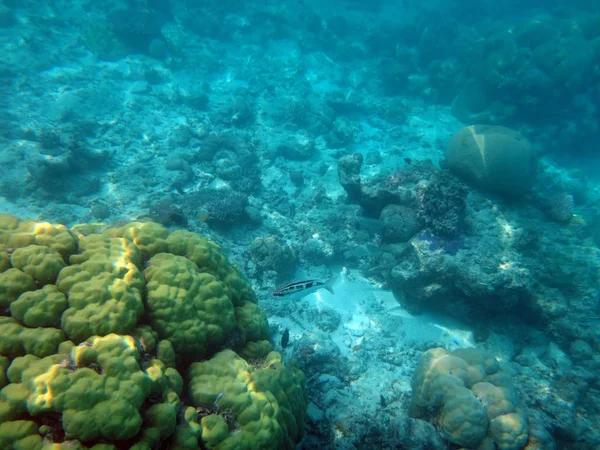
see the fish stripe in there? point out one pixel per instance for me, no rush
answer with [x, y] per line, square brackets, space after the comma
[295, 283]
[296, 286]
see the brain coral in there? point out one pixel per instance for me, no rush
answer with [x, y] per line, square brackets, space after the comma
[98, 323]
[494, 158]
[470, 399]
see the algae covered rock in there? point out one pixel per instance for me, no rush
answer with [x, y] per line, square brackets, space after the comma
[401, 223]
[272, 253]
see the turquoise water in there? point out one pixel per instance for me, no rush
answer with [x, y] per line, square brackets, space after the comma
[440, 159]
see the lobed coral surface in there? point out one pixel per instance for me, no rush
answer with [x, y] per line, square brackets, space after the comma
[98, 324]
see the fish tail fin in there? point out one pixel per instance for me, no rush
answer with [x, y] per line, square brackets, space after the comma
[329, 284]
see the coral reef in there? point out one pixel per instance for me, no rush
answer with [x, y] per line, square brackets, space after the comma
[461, 274]
[341, 133]
[272, 253]
[470, 399]
[400, 223]
[136, 27]
[349, 175]
[225, 207]
[298, 148]
[442, 205]
[101, 322]
[261, 406]
[307, 140]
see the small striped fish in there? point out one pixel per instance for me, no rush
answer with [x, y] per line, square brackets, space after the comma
[299, 289]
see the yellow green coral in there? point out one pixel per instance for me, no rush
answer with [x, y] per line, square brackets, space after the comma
[189, 308]
[13, 283]
[251, 321]
[12, 401]
[102, 247]
[104, 288]
[139, 304]
[4, 363]
[18, 340]
[247, 408]
[42, 263]
[149, 237]
[187, 434]
[98, 388]
[255, 350]
[30, 232]
[207, 255]
[19, 434]
[8, 223]
[40, 308]
[4, 261]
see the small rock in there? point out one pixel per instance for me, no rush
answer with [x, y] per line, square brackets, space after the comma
[401, 223]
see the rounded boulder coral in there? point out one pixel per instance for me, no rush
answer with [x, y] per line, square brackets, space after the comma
[494, 158]
[98, 325]
[470, 399]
